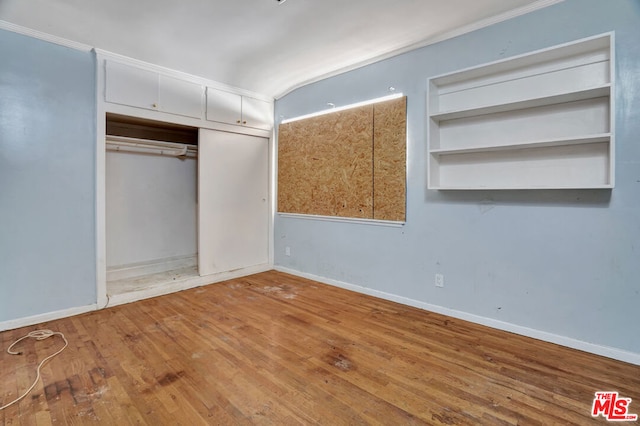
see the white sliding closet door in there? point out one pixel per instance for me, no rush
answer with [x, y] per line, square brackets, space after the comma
[233, 212]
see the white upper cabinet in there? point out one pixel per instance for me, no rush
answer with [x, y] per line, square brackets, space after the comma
[180, 97]
[141, 88]
[231, 108]
[535, 121]
[224, 107]
[150, 89]
[257, 113]
[128, 85]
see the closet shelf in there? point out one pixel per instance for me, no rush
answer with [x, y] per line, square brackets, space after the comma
[579, 140]
[572, 96]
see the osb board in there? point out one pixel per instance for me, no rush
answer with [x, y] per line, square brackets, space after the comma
[324, 164]
[389, 159]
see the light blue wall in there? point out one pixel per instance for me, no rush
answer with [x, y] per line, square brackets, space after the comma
[47, 177]
[565, 262]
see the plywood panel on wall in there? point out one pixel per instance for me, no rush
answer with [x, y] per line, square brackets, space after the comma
[324, 164]
[389, 159]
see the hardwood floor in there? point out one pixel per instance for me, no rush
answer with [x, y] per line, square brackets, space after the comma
[276, 349]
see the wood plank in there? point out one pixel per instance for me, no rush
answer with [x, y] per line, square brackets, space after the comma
[390, 159]
[324, 164]
[277, 349]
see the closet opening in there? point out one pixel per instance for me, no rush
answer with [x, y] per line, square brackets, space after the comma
[151, 204]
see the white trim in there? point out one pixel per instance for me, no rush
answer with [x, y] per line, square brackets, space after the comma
[168, 71]
[133, 296]
[544, 54]
[429, 41]
[612, 109]
[358, 221]
[166, 117]
[49, 316]
[4, 25]
[161, 289]
[606, 351]
[273, 173]
[101, 187]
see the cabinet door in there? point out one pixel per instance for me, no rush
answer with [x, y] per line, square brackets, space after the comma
[223, 106]
[180, 97]
[128, 85]
[257, 113]
[233, 211]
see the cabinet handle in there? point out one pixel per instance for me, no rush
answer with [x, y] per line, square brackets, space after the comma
[244, 122]
[238, 121]
[155, 105]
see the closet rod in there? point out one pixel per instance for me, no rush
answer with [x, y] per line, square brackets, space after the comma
[121, 143]
[177, 145]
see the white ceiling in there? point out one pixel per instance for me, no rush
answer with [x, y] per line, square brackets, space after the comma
[259, 45]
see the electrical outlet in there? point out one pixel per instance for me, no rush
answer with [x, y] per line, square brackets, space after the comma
[287, 251]
[439, 280]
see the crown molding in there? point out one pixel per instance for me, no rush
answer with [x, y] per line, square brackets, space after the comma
[4, 25]
[540, 4]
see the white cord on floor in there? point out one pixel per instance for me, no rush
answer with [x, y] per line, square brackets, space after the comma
[38, 335]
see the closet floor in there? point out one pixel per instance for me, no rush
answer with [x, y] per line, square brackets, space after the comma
[143, 287]
[145, 282]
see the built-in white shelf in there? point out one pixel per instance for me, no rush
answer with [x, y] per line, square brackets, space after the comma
[536, 121]
[513, 188]
[587, 139]
[560, 98]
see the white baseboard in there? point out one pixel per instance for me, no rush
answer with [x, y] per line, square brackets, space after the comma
[151, 267]
[49, 316]
[134, 296]
[606, 351]
[191, 282]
